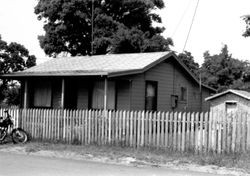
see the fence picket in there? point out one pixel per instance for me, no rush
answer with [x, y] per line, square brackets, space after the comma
[166, 130]
[162, 129]
[142, 128]
[150, 129]
[131, 128]
[138, 129]
[146, 129]
[183, 132]
[196, 132]
[248, 132]
[179, 131]
[158, 130]
[206, 132]
[175, 131]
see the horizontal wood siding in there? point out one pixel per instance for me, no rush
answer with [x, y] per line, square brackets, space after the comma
[138, 92]
[206, 104]
[171, 77]
[123, 95]
[163, 74]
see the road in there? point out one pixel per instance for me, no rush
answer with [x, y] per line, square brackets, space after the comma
[29, 165]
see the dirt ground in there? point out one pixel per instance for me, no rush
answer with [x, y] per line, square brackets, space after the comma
[237, 164]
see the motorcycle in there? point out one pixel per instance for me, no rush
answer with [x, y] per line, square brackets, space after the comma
[18, 135]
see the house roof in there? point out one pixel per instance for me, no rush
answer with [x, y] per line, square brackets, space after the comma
[241, 93]
[94, 65]
[110, 65]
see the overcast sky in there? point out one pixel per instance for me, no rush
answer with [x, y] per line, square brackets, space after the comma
[217, 23]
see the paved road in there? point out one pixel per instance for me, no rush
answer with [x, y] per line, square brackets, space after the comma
[28, 165]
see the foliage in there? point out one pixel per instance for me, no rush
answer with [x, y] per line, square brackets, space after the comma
[12, 94]
[187, 58]
[246, 18]
[13, 57]
[119, 26]
[222, 71]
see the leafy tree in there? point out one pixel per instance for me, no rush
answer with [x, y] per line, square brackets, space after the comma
[13, 57]
[187, 58]
[119, 26]
[246, 18]
[222, 71]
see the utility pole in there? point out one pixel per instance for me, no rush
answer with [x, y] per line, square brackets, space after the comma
[92, 27]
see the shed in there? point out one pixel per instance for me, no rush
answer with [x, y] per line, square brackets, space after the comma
[230, 101]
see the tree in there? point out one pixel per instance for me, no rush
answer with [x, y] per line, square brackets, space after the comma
[187, 58]
[13, 57]
[119, 26]
[246, 18]
[222, 71]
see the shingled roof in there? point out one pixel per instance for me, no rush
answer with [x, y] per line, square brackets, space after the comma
[110, 65]
[241, 93]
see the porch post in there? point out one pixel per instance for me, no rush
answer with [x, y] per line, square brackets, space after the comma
[25, 98]
[105, 103]
[106, 108]
[63, 93]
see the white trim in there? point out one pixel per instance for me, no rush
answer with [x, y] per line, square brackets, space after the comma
[225, 92]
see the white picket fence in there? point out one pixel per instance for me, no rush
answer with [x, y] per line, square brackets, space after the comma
[175, 131]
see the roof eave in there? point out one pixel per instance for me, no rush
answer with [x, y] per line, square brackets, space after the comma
[226, 92]
[14, 75]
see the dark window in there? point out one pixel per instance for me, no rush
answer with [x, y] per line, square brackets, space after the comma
[183, 94]
[151, 96]
[98, 95]
[42, 94]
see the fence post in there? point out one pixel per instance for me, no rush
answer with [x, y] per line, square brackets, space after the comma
[184, 116]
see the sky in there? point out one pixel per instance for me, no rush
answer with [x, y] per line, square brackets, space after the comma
[217, 22]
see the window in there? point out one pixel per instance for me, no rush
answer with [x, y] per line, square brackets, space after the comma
[151, 96]
[183, 94]
[98, 95]
[42, 94]
[231, 107]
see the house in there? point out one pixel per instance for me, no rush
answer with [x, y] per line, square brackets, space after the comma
[140, 81]
[230, 101]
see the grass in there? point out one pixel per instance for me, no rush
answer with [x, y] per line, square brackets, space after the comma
[150, 156]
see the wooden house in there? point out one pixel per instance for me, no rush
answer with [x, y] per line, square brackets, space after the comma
[230, 101]
[155, 81]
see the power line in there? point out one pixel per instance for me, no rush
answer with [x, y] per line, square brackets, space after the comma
[180, 20]
[190, 28]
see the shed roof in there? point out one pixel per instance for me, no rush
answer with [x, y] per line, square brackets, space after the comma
[241, 93]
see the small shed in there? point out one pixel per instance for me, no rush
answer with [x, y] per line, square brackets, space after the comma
[230, 101]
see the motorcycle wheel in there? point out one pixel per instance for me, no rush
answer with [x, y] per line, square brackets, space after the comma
[19, 136]
[2, 135]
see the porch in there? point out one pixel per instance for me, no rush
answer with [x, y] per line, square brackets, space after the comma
[77, 93]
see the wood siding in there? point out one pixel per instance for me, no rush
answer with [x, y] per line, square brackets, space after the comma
[219, 103]
[170, 77]
[138, 92]
[123, 95]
